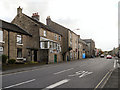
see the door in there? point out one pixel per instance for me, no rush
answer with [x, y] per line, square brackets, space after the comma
[55, 58]
[35, 55]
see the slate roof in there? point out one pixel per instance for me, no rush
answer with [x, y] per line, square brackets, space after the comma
[13, 28]
[43, 25]
[88, 40]
[81, 41]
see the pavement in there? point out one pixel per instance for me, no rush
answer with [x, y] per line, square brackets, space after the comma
[114, 79]
[89, 73]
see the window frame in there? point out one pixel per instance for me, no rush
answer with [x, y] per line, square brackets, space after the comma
[17, 52]
[44, 33]
[19, 36]
[55, 36]
[1, 35]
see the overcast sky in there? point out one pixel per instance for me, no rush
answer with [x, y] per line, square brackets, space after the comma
[96, 19]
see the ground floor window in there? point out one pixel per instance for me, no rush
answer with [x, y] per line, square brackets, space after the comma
[44, 45]
[1, 35]
[19, 52]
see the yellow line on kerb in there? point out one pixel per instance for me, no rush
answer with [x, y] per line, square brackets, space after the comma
[102, 80]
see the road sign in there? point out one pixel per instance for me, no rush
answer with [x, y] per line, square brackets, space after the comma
[1, 49]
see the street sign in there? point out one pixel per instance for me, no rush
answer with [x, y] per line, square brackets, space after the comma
[1, 49]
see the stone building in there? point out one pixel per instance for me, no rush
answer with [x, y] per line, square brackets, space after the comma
[45, 44]
[11, 40]
[70, 40]
[91, 47]
[82, 48]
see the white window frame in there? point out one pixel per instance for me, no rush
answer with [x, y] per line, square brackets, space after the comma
[55, 37]
[44, 33]
[19, 38]
[1, 36]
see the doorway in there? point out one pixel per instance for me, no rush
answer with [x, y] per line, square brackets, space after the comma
[55, 58]
[35, 55]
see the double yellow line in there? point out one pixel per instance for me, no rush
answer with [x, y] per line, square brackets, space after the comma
[105, 80]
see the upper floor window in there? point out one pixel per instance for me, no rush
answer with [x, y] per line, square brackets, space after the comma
[1, 35]
[60, 38]
[19, 39]
[45, 33]
[55, 37]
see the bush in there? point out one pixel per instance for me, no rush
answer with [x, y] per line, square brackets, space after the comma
[11, 61]
[4, 58]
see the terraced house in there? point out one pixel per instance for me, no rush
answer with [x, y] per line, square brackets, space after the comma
[70, 40]
[11, 40]
[45, 44]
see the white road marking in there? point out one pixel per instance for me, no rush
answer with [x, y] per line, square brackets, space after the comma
[84, 74]
[58, 84]
[19, 84]
[77, 73]
[81, 73]
[63, 71]
[114, 63]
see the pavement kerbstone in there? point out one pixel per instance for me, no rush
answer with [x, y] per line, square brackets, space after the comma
[113, 80]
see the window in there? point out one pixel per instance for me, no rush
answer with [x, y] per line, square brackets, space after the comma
[45, 33]
[51, 45]
[55, 37]
[60, 38]
[19, 39]
[1, 35]
[44, 45]
[55, 46]
[19, 52]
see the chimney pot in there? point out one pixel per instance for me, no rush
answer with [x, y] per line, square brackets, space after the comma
[35, 16]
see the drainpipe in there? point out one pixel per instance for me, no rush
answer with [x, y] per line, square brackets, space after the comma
[8, 45]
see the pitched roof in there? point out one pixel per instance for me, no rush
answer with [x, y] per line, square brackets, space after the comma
[13, 28]
[62, 26]
[43, 25]
[88, 40]
[81, 41]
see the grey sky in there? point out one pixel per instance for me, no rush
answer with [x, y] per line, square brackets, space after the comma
[96, 19]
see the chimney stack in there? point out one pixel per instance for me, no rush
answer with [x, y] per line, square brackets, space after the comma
[48, 20]
[19, 10]
[35, 16]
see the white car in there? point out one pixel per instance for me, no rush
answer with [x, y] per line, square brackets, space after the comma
[109, 57]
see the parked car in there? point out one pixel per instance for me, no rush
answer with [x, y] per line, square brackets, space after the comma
[109, 57]
[102, 55]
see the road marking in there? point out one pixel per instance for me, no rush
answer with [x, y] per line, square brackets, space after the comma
[114, 63]
[63, 71]
[86, 73]
[101, 80]
[77, 73]
[19, 84]
[58, 84]
[106, 80]
[81, 73]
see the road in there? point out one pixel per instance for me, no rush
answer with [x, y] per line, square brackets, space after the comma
[87, 73]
